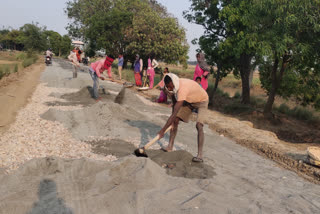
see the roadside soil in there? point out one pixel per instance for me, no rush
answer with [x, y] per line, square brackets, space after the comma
[15, 90]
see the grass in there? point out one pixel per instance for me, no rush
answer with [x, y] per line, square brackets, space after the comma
[297, 112]
[231, 81]
[256, 81]
[21, 58]
[238, 108]
[4, 70]
[29, 59]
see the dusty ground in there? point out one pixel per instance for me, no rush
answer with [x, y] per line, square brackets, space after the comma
[233, 179]
[15, 91]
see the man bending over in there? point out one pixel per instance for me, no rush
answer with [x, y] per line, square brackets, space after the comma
[186, 95]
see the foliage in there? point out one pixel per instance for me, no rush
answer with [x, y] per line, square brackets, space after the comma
[131, 26]
[33, 37]
[65, 45]
[289, 37]
[229, 40]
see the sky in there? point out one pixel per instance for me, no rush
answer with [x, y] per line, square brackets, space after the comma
[16, 13]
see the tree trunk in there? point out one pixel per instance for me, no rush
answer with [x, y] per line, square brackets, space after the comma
[275, 81]
[251, 78]
[272, 93]
[245, 61]
[215, 85]
[125, 63]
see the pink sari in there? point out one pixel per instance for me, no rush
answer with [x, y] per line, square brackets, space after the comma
[198, 73]
[150, 73]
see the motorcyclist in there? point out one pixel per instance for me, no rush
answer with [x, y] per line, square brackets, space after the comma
[49, 54]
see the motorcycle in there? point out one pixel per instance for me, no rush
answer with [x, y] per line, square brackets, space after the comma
[48, 60]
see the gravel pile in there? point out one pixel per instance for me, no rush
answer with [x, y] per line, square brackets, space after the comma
[30, 136]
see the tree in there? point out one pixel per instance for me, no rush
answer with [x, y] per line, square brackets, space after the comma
[54, 40]
[65, 45]
[128, 26]
[229, 40]
[289, 37]
[13, 40]
[33, 37]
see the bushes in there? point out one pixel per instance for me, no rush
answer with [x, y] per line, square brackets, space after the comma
[16, 68]
[283, 108]
[21, 56]
[4, 70]
[29, 59]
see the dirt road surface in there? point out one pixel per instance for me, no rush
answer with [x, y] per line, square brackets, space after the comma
[75, 156]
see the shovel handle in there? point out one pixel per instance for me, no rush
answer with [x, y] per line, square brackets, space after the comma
[155, 139]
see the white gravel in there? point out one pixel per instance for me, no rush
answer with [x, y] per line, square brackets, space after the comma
[30, 136]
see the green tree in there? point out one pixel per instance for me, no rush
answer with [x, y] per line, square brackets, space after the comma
[65, 45]
[207, 14]
[33, 37]
[128, 26]
[289, 37]
[54, 41]
[229, 40]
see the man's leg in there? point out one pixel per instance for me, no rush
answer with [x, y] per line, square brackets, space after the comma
[200, 139]
[173, 133]
[119, 70]
[202, 114]
[95, 84]
[74, 71]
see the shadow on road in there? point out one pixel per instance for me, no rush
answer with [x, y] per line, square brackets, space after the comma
[49, 202]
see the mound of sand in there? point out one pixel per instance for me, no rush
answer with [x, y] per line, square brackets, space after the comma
[99, 119]
[177, 163]
[53, 185]
[85, 96]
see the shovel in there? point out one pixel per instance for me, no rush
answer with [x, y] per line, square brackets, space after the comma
[141, 152]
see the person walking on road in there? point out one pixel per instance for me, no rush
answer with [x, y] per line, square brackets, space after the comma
[95, 71]
[120, 64]
[186, 95]
[202, 70]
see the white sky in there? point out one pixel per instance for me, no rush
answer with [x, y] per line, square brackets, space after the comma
[50, 13]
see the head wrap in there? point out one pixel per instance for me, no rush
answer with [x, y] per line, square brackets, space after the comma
[202, 62]
[108, 62]
[175, 81]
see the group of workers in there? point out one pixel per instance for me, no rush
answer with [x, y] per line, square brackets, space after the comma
[187, 95]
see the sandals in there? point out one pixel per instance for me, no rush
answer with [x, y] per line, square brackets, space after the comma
[197, 160]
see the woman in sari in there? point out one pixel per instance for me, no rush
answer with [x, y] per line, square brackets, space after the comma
[138, 64]
[202, 70]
